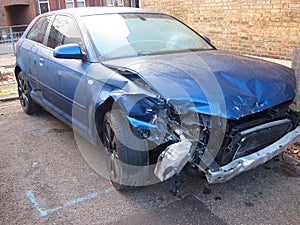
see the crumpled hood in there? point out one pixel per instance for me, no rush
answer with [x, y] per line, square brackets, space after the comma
[214, 82]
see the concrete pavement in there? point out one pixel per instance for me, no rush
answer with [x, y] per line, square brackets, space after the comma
[7, 61]
[8, 86]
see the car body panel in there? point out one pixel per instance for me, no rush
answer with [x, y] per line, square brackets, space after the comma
[248, 85]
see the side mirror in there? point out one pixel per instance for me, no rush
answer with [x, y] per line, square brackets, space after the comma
[207, 39]
[68, 51]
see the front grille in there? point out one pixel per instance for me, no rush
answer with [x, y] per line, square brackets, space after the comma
[254, 139]
[247, 141]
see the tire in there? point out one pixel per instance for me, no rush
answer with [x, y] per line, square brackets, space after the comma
[27, 104]
[127, 155]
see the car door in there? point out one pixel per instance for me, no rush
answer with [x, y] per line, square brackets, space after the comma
[68, 74]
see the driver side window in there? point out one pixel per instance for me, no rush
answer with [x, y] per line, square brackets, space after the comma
[63, 31]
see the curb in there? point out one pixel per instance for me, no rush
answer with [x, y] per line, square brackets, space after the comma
[9, 98]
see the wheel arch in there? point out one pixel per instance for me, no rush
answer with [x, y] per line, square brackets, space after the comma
[99, 115]
[120, 102]
[17, 71]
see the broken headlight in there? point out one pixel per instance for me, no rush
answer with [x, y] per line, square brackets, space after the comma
[160, 122]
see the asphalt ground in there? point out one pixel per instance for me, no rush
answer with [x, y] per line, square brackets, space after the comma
[44, 179]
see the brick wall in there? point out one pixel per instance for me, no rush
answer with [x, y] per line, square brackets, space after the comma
[267, 28]
[15, 12]
[7, 5]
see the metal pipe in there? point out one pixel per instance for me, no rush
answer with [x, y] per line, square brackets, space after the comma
[296, 68]
[12, 39]
[35, 4]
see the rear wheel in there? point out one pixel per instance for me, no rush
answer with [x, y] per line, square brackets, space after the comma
[127, 155]
[27, 104]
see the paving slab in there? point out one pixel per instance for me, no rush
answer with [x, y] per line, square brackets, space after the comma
[7, 61]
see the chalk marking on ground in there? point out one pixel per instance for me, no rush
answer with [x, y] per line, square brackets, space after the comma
[43, 213]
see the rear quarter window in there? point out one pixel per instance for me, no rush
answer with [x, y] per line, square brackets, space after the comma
[38, 30]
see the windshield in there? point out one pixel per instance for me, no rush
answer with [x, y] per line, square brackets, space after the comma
[129, 35]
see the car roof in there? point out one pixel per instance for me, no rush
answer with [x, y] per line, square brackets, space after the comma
[87, 11]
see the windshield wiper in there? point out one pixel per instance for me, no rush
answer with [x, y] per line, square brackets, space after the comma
[171, 51]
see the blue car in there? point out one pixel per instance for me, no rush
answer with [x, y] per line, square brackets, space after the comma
[157, 95]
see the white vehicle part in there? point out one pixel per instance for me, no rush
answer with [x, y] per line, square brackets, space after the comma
[173, 159]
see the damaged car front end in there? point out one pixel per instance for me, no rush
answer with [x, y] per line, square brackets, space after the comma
[251, 124]
[246, 144]
[238, 145]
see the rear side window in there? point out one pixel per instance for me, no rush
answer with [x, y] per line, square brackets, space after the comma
[63, 31]
[38, 31]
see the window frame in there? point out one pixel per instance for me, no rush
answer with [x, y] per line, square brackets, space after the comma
[43, 2]
[45, 36]
[46, 39]
[80, 1]
[69, 1]
[112, 4]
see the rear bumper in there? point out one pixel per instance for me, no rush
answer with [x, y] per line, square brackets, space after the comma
[248, 162]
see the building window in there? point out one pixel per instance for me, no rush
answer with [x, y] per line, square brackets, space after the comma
[44, 6]
[115, 3]
[69, 4]
[80, 3]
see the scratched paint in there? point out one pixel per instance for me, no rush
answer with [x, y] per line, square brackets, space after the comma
[43, 212]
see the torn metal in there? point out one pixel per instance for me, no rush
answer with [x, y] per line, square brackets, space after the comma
[172, 160]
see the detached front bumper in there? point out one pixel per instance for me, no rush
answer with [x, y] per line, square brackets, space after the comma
[248, 162]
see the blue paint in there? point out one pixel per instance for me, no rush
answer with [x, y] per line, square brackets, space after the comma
[42, 212]
[106, 191]
[73, 202]
[45, 213]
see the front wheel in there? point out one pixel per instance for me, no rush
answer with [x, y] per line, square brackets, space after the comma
[27, 104]
[127, 155]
